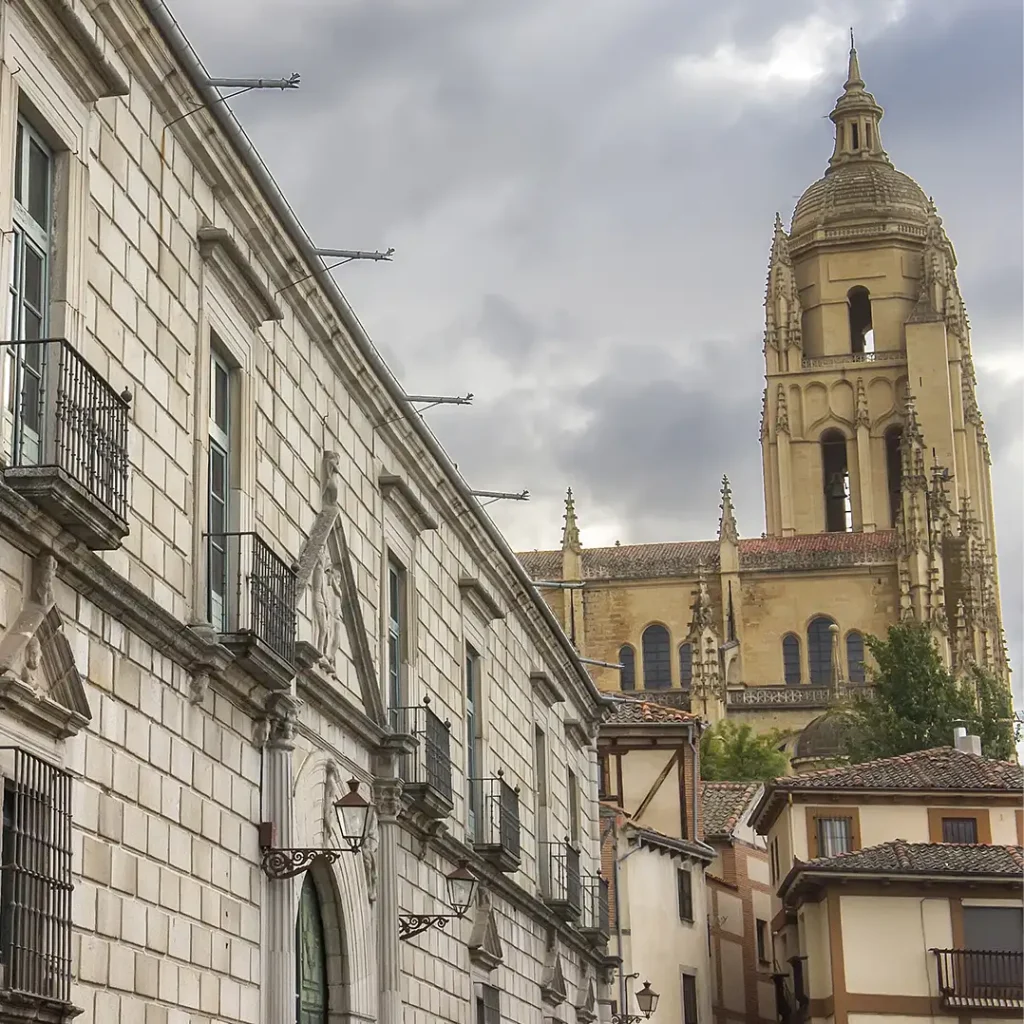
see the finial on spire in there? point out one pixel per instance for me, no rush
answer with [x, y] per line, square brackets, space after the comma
[727, 523]
[570, 532]
[853, 78]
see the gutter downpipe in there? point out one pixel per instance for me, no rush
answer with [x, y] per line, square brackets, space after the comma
[182, 49]
[691, 729]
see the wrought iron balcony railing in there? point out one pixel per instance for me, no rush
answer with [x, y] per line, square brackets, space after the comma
[495, 810]
[595, 920]
[561, 879]
[976, 979]
[251, 602]
[66, 439]
[426, 773]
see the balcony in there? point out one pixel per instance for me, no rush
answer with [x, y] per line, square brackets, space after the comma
[595, 922]
[251, 604]
[560, 879]
[66, 440]
[495, 813]
[980, 980]
[426, 773]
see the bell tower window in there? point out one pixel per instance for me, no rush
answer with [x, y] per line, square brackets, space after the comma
[894, 469]
[854, 137]
[867, 134]
[858, 301]
[836, 480]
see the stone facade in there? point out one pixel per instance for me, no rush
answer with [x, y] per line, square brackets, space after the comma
[877, 482]
[238, 570]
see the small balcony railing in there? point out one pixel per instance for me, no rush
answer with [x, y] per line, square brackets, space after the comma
[495, 810]
[561, 879]
[66, 439]
[426, 772]
[977, 979]
[595, 920]
[251, 601]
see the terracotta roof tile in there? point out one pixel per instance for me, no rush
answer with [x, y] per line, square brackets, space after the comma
[627, 711]
[941, 768]
[900, 858]
[723, 804]
[682, 558]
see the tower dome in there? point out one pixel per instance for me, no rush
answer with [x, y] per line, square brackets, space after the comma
[860, 194]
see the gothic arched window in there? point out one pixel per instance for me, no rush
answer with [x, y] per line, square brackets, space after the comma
[791, 659]
[836, 482]
[685, 665]
[819, 650]
[657, 658]
[858, 303]
[894, 469]
[310, 958]
[855, 656]
[627, 674]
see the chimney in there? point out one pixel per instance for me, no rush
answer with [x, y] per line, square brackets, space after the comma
[968, 744]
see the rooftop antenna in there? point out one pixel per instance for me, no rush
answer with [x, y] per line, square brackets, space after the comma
[240, 85]
[602, 664]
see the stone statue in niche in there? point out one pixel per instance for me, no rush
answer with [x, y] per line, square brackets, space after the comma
[321, 607]
[332, 480]
[33, 659]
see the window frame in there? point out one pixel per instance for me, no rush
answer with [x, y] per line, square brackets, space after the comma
[488, 1004]
[837, 812]
[860, 675]
[684, 894]
[981, 816]
[786, 661]
[773, 860]
[813, 659]
[686, 665]
[762, 938]
[473, 737]
[573, 809]
[690, 998]
[396, 578]
[627, 674]
[659, 659]
[834, 440]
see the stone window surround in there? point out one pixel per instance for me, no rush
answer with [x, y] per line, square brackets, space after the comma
[850, 812]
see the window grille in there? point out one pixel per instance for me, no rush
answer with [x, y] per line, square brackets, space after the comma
[35, 877]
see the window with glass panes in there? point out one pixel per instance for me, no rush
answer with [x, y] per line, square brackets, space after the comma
[855, 656]
[627, 674]
[791, 660]
[29, 287]
[684, 893]
[689, 999]
[473, 752]
[396, 628]
[219, 490]
[833, 835]
[819, 650]
[685, 665]
[657, 658]
[959, 830]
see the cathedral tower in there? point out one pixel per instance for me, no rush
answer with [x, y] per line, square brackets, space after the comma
[870, 420]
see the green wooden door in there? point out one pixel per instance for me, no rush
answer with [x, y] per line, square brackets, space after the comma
[311, 960]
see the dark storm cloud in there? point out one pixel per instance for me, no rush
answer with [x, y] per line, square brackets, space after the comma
[581, 196]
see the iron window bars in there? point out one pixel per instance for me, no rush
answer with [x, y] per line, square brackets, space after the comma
[35, 878]
[63, 414]
[497, 834]
[563, 883]
[980, 979]
[595, 919]
[427, 771]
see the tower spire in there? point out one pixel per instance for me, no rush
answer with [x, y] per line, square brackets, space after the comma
[571, 531]
[727, 523]
[856, 116]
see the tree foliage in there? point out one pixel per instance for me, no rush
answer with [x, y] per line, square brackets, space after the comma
[730, 752]
[916, 702]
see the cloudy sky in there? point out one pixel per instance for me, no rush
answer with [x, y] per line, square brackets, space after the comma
[581, 196]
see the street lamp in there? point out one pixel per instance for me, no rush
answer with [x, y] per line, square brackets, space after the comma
[461, 886]
[646, 1000]
[353, 813]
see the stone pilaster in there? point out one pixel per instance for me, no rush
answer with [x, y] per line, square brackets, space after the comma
[387, 799]
[279, 894]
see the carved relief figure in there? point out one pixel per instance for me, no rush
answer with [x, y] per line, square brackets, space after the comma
[369, 852]
[321, 607]
[332, 479]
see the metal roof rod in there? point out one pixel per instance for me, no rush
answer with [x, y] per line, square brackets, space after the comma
[602, 664]
[354, 254]
[291, 82]
[499, 495]
[560, 585]
[442, 399]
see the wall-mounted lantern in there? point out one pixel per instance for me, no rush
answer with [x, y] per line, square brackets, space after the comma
[646, 1001]
[353, 813]
[461, 886]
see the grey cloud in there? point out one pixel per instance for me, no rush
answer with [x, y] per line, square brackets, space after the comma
[582, 237]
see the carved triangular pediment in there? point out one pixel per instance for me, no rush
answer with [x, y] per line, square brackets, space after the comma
[485, 949]
[39, 680]
[553, 989]
[586, 1002]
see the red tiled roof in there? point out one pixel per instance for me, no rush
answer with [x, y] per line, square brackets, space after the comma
[899, 858]
[682, 558]
[723, 804]
[629, 711]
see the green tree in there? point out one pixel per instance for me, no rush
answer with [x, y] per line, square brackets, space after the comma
[735, 753]
[916, 703]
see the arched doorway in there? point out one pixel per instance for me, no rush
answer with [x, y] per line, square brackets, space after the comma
[310, 958]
